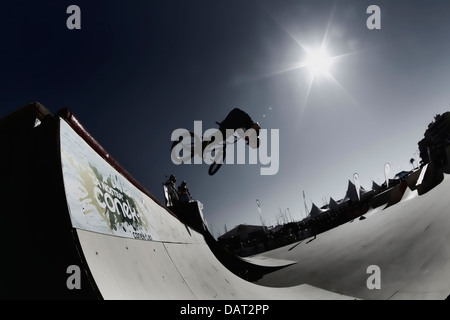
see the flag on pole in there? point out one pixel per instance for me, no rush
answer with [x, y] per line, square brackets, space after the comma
[387, 169]
[258, 204]
[357, 185]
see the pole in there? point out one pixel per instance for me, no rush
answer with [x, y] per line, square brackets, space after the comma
[258, 204]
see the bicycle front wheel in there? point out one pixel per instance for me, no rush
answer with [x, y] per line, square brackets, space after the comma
[215, 166]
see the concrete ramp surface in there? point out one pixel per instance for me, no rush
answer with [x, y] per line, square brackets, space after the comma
[405, 245]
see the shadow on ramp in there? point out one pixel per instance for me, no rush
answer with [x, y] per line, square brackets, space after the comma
[246, 268]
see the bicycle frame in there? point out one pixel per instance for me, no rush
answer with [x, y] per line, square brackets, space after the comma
[192, 147]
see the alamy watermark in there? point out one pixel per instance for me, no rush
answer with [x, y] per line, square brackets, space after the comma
[374, 280]
[74, 280]
[211, 146]
[74, 20]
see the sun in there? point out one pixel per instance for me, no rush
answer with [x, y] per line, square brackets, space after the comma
[318, 62]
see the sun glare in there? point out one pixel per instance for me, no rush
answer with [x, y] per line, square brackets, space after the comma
[318, 62]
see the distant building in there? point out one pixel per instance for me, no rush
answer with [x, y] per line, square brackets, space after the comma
[402, 175]
[242, 235]
[436, 139]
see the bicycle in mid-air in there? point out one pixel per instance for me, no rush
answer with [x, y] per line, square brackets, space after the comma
[189, 145]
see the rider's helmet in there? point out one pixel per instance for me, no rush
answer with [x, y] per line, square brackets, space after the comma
[183, 183]
[254, 143]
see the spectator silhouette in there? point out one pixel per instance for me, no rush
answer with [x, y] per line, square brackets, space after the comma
[183, 193]
[172, 190]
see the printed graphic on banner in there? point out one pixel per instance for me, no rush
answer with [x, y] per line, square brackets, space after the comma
[100, 199]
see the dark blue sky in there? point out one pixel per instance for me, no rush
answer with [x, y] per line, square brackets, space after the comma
[138, 70]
